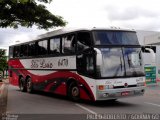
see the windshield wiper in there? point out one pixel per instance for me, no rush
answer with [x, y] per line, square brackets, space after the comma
[121, 63]
[129, 61]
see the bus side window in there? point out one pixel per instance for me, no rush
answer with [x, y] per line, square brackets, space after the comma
[16, 52]
[10, 52]
[54, 47]
[68, 44]
[42, 47]
[32, 49]
[83, 41]
[85, 63]
[24, 50]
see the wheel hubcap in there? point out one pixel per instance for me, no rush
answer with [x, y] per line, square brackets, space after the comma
[75, 91]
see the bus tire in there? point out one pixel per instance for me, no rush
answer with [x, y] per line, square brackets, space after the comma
[74, 92]
[29, 85]
[22, 84]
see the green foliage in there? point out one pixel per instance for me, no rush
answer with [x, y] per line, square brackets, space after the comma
[3, 60]
[15, 13]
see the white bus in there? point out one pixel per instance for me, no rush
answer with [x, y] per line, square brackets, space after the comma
[93, 64]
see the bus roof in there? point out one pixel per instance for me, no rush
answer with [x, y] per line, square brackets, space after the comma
[69, 30]
[66, 30]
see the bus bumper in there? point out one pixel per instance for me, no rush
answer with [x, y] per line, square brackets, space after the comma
[110, 94]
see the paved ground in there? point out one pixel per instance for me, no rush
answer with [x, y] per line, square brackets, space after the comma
[41, 104]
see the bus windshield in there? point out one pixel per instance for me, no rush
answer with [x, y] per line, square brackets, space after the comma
[104, 37]
[120, 62]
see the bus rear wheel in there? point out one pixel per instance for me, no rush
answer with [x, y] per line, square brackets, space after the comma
[29, 85]
[22, 84]
[74, 92]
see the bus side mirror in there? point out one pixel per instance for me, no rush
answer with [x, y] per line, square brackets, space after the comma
[153, 56]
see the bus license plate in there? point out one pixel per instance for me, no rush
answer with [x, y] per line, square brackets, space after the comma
[126, 93]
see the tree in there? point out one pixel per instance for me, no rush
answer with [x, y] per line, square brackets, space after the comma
[15, 13]
[3, 61]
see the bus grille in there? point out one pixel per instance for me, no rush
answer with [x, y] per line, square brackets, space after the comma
[116, 87]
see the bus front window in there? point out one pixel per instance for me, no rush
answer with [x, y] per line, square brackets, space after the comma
[104, 37]
[133, 61]
[113, 64]
[120, 62]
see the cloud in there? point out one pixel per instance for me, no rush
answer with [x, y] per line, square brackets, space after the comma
[104, 13]
[144, 16]
[130, 13]
[136, 14]
[9, 36]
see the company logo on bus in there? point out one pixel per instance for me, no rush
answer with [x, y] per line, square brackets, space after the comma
[125, 85]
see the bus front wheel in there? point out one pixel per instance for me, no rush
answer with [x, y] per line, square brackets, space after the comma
[74, 92]
[29, 85]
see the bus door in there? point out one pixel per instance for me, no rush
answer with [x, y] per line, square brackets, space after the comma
[86, 63]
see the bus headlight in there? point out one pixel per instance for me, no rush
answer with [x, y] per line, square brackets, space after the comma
[104, 87]
[109, 86]
[101, 87]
